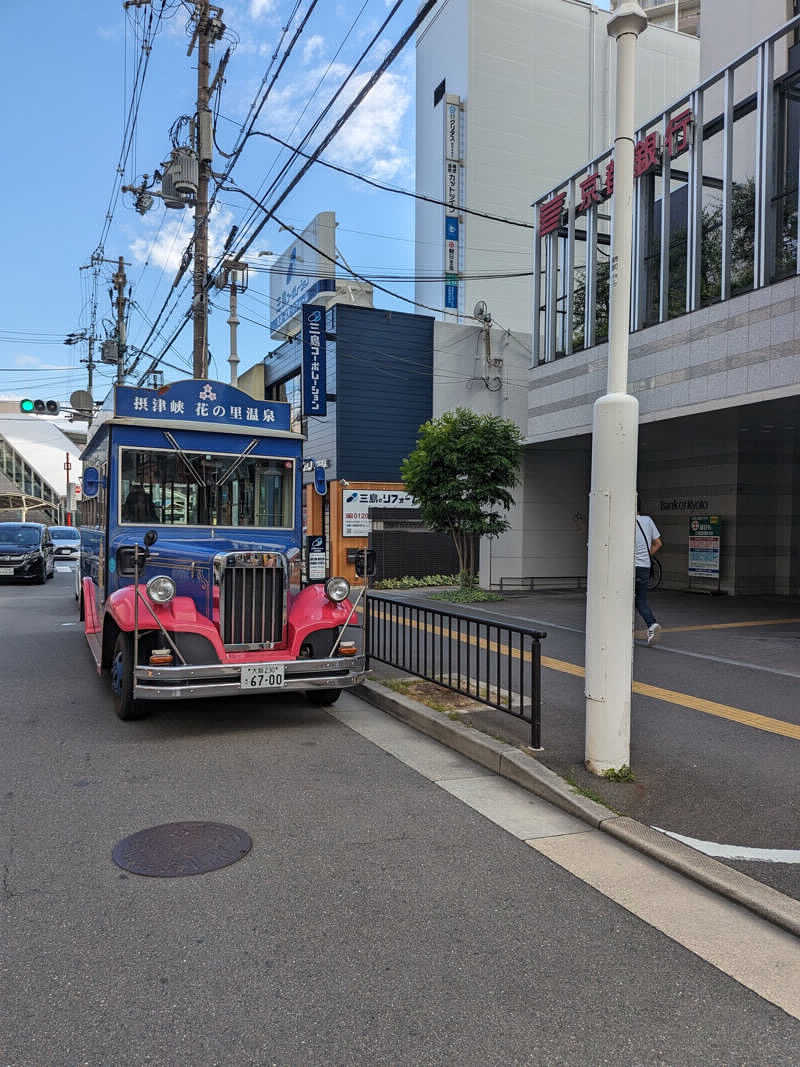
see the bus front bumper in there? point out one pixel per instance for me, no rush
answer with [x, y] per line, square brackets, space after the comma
[217, 679]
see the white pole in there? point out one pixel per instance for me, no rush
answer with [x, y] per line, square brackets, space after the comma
[233, 322]
[612, 501]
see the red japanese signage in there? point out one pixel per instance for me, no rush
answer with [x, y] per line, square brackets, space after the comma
[648, 154]
[550, 214]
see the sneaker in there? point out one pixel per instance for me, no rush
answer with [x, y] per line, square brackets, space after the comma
[653, 632]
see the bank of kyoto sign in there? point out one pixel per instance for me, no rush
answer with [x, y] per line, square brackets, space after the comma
[596, 188]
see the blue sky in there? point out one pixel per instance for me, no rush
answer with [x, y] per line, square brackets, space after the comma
[69, 70]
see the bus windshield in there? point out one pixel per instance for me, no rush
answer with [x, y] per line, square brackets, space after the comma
[204, 489]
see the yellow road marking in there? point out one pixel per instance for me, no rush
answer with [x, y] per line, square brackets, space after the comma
[668, 696]
[726, 625]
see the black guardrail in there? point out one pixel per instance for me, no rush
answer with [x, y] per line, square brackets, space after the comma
[490, 662]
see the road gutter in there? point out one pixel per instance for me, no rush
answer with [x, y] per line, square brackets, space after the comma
[518, 766]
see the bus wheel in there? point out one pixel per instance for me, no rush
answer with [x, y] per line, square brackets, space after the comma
[323, 698]
[122, 679]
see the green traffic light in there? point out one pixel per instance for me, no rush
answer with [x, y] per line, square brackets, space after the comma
[26, 406]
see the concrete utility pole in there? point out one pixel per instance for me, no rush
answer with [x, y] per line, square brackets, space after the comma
[612, 501]
[207, 29]
[119, 280]
[234, 275]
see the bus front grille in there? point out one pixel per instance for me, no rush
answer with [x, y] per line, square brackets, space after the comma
[252, 607]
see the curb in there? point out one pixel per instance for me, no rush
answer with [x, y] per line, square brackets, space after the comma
[516, 765]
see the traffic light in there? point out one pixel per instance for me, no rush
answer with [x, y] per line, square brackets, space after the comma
[39, 407]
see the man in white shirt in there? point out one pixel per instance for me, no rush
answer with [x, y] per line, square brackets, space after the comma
[648, 542]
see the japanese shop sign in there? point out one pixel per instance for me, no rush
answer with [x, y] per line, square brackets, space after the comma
[452, 128]
[357, 502]
[704, 544]
[306, 269]
[212, 403]
[648, 154]
[314, 362]
[450, 245]
[453, 171]
[317, 557]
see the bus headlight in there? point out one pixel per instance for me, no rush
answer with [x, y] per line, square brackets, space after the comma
[161, 589]
[337, 589]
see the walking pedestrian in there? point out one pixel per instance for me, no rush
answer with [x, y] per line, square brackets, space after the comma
[648, 542]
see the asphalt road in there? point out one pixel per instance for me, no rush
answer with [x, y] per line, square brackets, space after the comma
[377, 919]
[700, 775]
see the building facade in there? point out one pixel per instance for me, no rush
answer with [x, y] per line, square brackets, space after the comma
[512, 94]
[379, 382]
[715, 345]
[33, 477]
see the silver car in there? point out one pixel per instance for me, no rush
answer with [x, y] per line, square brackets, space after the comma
[66, 542]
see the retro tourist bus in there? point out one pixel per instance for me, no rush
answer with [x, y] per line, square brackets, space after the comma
[190, 580]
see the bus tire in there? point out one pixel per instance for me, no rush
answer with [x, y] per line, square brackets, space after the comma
[125, 706]
[323, 698]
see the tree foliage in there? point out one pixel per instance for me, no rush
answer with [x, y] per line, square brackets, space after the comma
[461, 473]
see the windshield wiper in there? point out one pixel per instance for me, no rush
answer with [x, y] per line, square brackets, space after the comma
[237, 462]
[185, 458]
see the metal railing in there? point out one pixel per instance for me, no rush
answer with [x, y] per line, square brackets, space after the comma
[491, 662]
[716, 206]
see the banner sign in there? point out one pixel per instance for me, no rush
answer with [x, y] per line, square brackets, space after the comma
[317, 565]
[306, 269]
[314, 363]
[453, 175]
[704, 542]
[357, 502]
[199, 400]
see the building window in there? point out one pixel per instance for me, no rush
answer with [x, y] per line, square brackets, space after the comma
[289, 391]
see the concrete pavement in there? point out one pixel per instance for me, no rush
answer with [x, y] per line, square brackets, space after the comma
[380, 918]
[715, 721]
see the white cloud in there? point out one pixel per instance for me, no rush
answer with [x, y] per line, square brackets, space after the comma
[165, 249]
[372, 138]
[260, 7]
[313, 46]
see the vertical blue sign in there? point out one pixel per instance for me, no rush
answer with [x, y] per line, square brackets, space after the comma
[314, 369]
[451, 294]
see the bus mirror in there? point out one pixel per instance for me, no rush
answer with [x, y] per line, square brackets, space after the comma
[150, 538]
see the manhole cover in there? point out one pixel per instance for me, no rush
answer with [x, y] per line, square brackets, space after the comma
[177, 849]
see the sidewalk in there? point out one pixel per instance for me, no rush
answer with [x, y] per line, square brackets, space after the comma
[703, 772]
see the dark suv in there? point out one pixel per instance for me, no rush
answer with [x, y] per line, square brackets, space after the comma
[26, 551]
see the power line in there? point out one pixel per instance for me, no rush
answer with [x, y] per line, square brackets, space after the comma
[360, 96]
[458, 209]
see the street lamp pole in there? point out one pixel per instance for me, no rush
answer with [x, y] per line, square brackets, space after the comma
[612, 501]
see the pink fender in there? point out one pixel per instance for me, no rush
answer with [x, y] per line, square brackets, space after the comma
[312, 610]
[90, 622]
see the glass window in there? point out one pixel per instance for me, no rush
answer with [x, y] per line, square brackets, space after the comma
[64, 533]
[203, 489]
[289, 391]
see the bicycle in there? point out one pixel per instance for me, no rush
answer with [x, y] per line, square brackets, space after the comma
[656, 574]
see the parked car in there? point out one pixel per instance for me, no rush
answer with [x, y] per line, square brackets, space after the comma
[26, 551]
[66, 541]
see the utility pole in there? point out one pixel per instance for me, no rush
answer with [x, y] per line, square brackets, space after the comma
[208, 28]
[615, 431]
[119, 281]
[234, 275]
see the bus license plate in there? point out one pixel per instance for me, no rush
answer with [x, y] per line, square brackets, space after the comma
[262, 676]
[6, 571]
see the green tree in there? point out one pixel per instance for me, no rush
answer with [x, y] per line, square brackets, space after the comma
[461, 473]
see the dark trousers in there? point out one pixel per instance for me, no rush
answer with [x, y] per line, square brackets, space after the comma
[642, 606]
